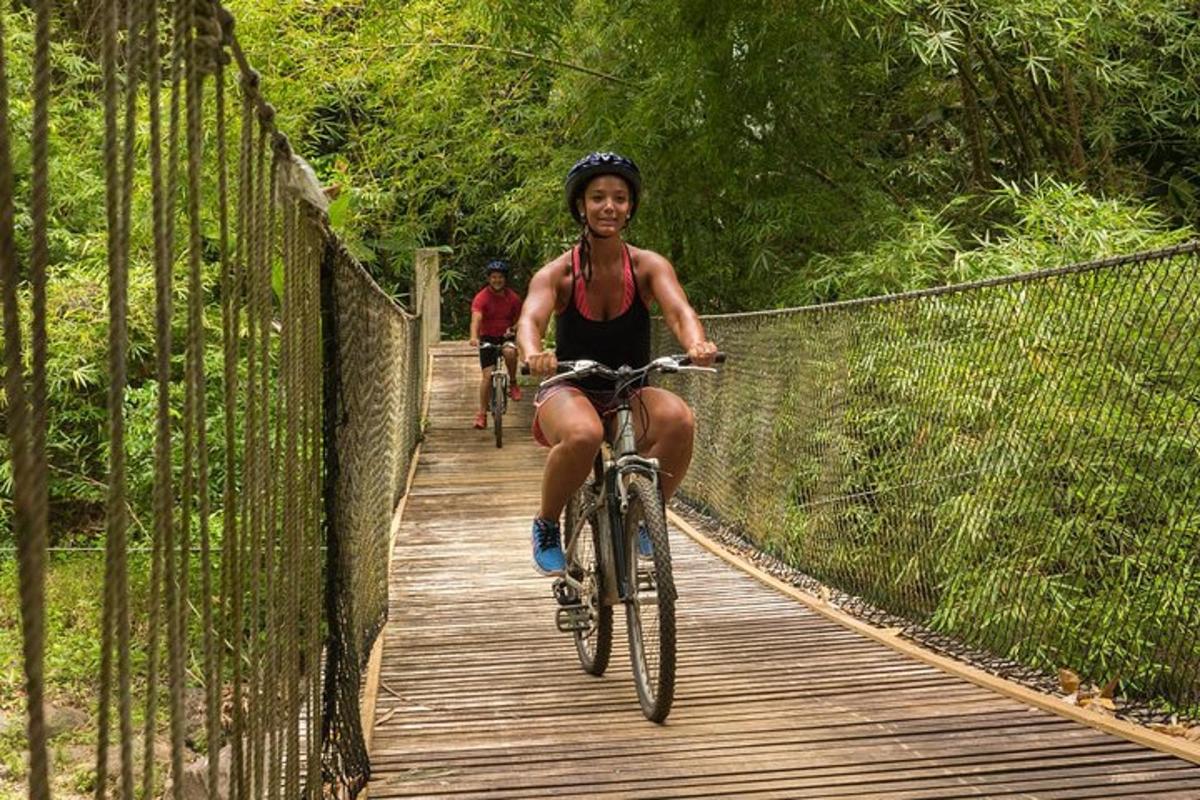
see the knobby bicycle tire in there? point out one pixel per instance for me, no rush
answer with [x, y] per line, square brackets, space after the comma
[498, 389]
[651, 621]
[593, 647]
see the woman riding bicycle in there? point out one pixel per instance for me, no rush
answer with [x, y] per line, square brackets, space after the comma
[494, 312]
[600, 292]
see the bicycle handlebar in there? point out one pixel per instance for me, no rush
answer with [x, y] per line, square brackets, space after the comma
[490, 346]
[584, 368]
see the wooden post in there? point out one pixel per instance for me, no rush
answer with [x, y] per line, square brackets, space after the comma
[427, 295]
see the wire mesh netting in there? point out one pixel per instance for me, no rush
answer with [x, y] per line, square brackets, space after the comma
[374, 387]
[1013, 462]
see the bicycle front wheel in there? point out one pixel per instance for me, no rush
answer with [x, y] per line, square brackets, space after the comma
[593, 645]
[498, 390]
[650, 610]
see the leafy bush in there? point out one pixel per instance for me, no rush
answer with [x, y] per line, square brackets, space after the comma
[1043, 224]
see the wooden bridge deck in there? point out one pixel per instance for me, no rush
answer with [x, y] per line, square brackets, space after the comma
[481, 696]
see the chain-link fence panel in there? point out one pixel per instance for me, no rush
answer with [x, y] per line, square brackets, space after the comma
[1011, 462]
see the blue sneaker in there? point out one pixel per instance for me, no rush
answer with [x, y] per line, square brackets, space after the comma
[548, 558]
[645, 548]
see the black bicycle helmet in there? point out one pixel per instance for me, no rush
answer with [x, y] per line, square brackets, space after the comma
[594, 165]
[496, 265]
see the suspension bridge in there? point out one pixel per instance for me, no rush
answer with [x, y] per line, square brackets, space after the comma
[896, 517]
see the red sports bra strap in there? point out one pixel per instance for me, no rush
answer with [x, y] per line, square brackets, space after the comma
[579, 286]
[630, 285]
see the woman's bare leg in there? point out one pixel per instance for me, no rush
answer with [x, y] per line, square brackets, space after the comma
[572, 428]
[665, 428]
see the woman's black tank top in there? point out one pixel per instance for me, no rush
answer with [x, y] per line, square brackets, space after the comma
[622, 340]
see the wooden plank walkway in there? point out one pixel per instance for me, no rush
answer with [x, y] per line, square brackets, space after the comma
[481, 696]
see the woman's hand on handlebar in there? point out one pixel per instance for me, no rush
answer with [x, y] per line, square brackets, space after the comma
[542, 364]
[473, 342]
[703, 354]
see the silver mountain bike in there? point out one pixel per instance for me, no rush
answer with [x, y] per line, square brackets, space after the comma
[609, 523]
[499, 404]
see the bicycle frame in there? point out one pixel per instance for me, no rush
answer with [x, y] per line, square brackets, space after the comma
[617, 458]
[500, 370]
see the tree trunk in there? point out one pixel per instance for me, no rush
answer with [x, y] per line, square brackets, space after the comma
[1018, 113]
[979, 155]
[1078, 159]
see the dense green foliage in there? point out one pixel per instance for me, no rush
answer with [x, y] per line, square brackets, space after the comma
[792, 153]
[776, 138]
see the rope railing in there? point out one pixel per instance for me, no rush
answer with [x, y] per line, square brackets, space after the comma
[318, 393]
[1010, 464]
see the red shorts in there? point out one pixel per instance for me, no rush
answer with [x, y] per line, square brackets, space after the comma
[604, 402]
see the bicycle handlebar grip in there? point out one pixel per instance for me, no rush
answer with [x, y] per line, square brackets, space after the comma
[687, 362]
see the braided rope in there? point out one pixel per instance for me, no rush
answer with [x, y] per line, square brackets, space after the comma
[240, 775]
[256, 467]
[226, 626]
[273, 437]
[203, 36]
[29, 506]
[176, 544]
[133, 58]
[117, 298]
[162, 446]
[37, 538]
[256, 444]
[293, 406]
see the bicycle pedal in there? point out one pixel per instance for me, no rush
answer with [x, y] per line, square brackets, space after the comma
[565, 594]
[570, 619]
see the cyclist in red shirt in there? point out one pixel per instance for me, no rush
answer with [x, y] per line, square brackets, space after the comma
[494, 313]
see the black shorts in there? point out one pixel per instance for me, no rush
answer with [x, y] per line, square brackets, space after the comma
[489, 357]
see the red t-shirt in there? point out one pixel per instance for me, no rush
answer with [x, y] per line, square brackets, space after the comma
[499, 309]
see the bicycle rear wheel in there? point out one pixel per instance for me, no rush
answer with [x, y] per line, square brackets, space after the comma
[650, 611]
[593, 645]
